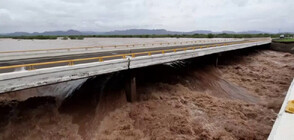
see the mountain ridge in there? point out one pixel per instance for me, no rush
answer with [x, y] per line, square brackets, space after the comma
[127, 32]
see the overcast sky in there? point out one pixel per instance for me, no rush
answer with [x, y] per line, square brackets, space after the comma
[175, 15]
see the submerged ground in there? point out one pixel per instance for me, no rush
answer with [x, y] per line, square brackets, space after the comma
[239, 99]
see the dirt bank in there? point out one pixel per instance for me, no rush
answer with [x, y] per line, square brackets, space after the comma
[283, 47]
[184, 100]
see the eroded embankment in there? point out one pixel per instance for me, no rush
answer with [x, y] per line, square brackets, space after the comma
[190, 100]
[283, 46]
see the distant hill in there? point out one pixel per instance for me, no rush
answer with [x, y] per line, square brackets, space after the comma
[228, 32]
[61, 33]
[126, 32]
[69, 32]
[18, 34]
[141, 32]
[200, 32]
[251, 32]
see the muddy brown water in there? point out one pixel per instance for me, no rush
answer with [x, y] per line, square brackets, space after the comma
[190, 99]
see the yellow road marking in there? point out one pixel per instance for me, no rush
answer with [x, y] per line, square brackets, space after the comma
[101, 58]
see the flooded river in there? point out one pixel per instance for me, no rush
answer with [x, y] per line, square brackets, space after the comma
[239, 99]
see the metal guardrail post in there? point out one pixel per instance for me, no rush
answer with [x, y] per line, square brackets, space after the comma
[31, 67]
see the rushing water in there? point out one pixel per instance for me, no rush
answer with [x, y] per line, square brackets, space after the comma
[182, 100]
[77, 107]
[60, 91]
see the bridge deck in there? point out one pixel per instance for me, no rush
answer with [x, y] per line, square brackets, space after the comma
[27, 57]
[44, 73]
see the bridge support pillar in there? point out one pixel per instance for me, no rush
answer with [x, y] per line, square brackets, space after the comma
[130, 89]
[217, 58]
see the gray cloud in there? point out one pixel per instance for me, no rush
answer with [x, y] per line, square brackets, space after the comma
[179, 15]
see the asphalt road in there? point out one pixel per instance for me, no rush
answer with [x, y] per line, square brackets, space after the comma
[88, 55]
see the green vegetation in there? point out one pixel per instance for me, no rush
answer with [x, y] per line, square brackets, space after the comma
[210, 36]
[189, 36]
[34, 37]
[76, 37]
[284, 40]
[64, 38]
[80, 37]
